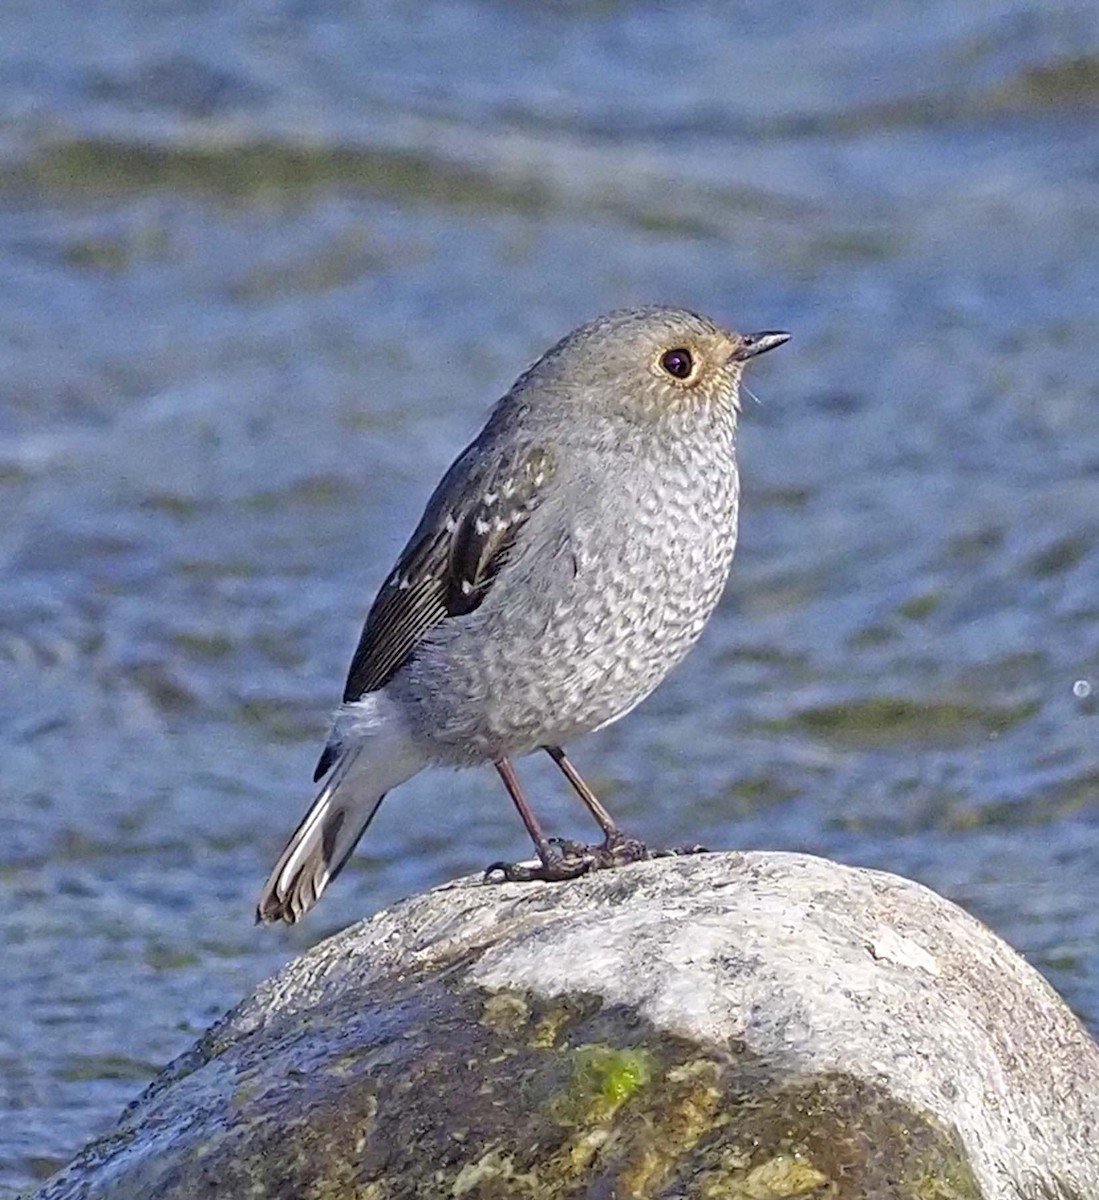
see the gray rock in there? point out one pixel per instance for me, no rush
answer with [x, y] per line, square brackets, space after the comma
[739, 1026]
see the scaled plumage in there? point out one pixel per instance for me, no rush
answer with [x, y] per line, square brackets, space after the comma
[566, 562]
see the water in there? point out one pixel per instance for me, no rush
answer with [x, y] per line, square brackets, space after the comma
[266, 265]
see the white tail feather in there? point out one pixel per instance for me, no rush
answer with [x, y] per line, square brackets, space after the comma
[337, 819]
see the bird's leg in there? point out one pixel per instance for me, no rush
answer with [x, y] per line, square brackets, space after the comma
[515, 791]
[553, 865]
[618, 848]
[603, 818]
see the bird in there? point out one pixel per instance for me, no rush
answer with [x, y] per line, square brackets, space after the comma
[566, 561]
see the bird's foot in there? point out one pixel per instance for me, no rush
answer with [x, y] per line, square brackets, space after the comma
[570, 860]
[619, 849]
[555, 868]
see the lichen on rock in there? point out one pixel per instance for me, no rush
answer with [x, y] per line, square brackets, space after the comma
[721, 1027]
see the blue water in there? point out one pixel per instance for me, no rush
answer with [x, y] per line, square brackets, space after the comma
[265, 266]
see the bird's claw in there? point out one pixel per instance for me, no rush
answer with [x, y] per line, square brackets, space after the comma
[556, 870]
[573, 859]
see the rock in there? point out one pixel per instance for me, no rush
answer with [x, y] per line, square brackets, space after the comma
[746, 1027]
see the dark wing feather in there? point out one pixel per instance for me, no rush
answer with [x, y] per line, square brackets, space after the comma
[449, 563]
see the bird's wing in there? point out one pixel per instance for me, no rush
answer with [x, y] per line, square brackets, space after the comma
[449, 563]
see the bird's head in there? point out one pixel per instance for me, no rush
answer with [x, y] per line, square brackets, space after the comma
[651, 363]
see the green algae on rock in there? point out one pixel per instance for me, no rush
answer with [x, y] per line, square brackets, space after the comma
[442, 1103]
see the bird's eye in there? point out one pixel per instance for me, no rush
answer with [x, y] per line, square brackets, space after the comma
[678, 363]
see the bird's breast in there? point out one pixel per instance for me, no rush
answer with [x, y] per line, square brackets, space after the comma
[611, 585]
[652, 561]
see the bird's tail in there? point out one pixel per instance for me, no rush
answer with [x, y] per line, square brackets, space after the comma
[323, 842]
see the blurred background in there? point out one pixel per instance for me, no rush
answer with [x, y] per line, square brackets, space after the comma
[265, 265]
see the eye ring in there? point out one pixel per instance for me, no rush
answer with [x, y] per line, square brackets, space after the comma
[678, 362]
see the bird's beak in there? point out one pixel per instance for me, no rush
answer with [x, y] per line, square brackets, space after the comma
[752, 344]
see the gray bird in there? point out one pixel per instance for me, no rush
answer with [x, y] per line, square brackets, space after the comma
[566, 562]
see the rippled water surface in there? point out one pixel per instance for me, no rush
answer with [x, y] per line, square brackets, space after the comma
[265, 264]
